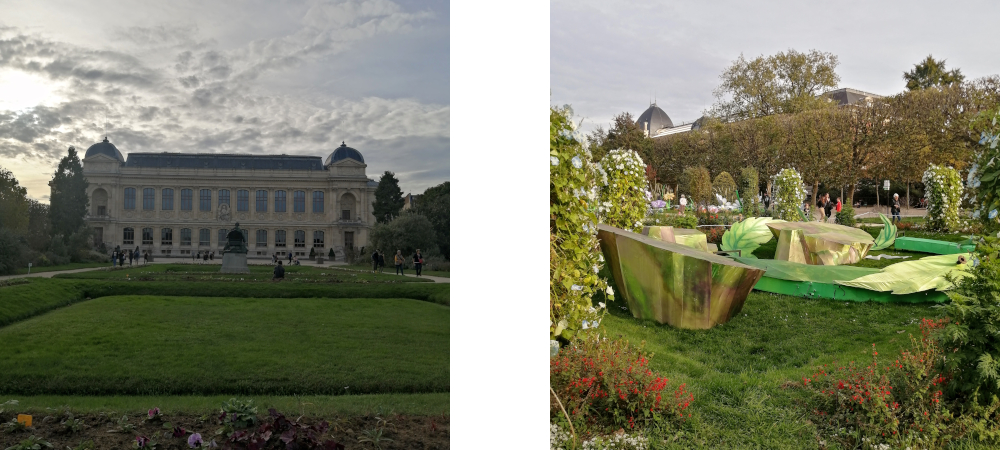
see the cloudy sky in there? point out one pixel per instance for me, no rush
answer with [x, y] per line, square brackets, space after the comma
[609, 57]
[259, 77]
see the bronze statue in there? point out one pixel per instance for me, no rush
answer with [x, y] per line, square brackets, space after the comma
[236, 241]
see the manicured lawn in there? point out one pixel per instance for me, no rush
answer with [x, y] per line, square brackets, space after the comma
[70, 266]
[207, 272]
[158, 345]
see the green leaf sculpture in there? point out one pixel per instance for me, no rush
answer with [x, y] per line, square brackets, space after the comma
[887, 236]
[747, 235]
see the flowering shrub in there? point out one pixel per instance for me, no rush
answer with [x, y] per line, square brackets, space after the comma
[896, 403]
[749, 191]
[725, 186]
[607, 384]
[943, 190]
[574, 253]
[788, 195]
[623, 190]
[714, 234]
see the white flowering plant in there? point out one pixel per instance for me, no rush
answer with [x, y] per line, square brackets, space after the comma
[984, 176]
[789, 194]
[943, 190]
[623, 190]
[575, 255]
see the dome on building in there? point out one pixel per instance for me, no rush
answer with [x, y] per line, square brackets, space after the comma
[104, 148]
[655, 118]
[344, 152]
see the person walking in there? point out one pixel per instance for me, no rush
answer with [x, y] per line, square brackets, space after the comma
[381, 261]
[375, 261]
[211, 256]
[290, 258]
[114, 258]
[895, 209]
[398, 259]
[820, 207]
[279, 272]
[274, 259]
[204, 258]
[145, 257]
[828, 208]
[418, 261]
[121, 259]
[683, 203]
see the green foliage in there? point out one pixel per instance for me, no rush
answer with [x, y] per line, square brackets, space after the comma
[239, 414]
[623, 190]
[607, 384]
[435, 205]
[407, 232]
[687, 220]
[13, 203]
[11, 252]
[747, 235]
[31, 443]
[944, 197]
[930, 73]
[725, 186]
[749, 190]
[887, 236]
[698, 184]
[574, 252]
[788, 195]
[624, 133]
[39, 226]
[984, 176]
[388, 198]
[975, 318]
[846, 216]
[68, 201]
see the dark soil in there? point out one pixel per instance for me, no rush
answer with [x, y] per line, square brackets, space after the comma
[399, 432]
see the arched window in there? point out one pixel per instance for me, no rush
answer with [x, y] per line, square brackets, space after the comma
[279, 238]
[185, 236]
[318, 239]
[242, 200]
[279, 201]
[261, 201]
[300, 201]
[261, 238]
[166, 236]
[317, 201]
[223, 197]
[300, 238]
[148, 199]
[129, 198]
[205, 200]
[167, 201]
[99, 201]
[347, 207]
[147, 236]
[128, 236]
[187, 199]
[204, 237]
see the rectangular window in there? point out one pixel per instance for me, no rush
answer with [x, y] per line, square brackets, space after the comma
[147, 236]
[167, 202]
[205, 200]
[300, 201]
[129, 198]
[261, 201]
[187, 199]
[279, 201]
[279, 238]
[102, 210]
[223, 197]
[345, 214]
[128, 236]
[317, 201]
[242, 200]
[261, 238]
[349, 240]
[185, 236]
[300, 238]
[204, 236]
[149, 198]
[166, 236]
[222, 238]
[318, 239]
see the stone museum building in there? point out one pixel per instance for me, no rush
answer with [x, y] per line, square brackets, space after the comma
[179, 204]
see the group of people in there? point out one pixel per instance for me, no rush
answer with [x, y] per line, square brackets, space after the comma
[825, 207]
[292, 259]
[118, 257]
[205, 256]
[378, 261]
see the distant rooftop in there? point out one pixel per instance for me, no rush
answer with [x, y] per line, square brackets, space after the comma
[224, 161]
[848, 96]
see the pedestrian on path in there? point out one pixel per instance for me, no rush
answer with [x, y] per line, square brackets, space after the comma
[418, 261]
[398, 259]
[895, 209]
[114, 259]
[204, 258]
[381, 261]
[375, 261]
[821, 207]
[130, 259]
[828, 208]
[145, 257]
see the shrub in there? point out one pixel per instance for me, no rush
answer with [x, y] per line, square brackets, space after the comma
[943, 190]
[407, 232]
[624, 195]
[673, 219]
[698, 183]
[749, 189]
[984, 176]
[725, 186]
[10, 252]
[575, 255]
[714, 234]
[788, 195]
[607, 384]
[846, 216]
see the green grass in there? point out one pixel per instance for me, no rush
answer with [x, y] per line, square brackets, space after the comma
[260, 274]
[39, 295]
[312, 405]
[70, 266]
[157, 345]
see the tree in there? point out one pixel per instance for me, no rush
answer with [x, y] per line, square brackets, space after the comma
[68, 198]
[388, 198]
[39, 226]
[435, 204]
[698, 184]
[408, 232]
[13, 203]
[787, 82]
[931, 72]
[813, 148]
[624, 133]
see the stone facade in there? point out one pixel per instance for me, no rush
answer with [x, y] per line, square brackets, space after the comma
[162, 202]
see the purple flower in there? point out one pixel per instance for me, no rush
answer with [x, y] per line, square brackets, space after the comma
[141, 441]
[658, 204]
[154, 412]
[194, 441]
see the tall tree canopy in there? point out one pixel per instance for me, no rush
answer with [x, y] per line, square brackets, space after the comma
[68, 198]
[435, 204]
[787, 82]
[388, 198]
[624, 133]
[929, 73]
[13, 203]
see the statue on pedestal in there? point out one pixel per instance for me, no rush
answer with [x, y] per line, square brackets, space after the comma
[236, 241]
[234, 254]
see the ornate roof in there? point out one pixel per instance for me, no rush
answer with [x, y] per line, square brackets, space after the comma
[656, 119]
[344, 152]
[104, 148]
[224, 161]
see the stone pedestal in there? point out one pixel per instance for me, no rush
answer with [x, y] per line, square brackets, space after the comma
[234, 263]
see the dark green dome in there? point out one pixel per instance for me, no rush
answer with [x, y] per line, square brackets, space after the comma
[104, 148]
